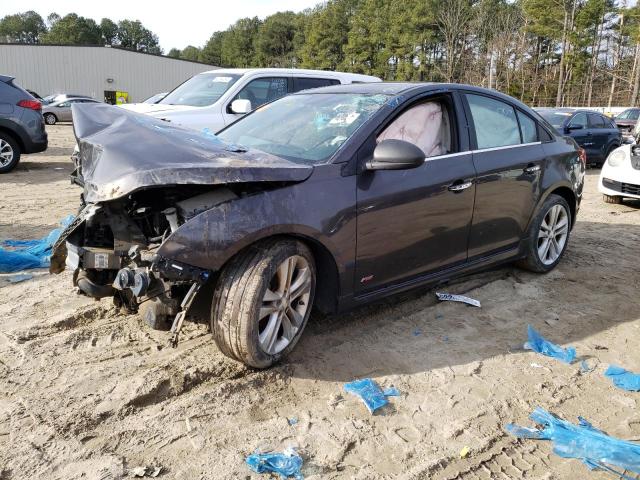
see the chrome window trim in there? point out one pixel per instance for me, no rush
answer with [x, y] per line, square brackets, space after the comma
[481, 150]
[506, 146]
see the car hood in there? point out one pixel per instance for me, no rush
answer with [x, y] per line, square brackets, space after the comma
[155, 108]
[121, 152]
[626, 123]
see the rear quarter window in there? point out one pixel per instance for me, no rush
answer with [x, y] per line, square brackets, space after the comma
[304, 83]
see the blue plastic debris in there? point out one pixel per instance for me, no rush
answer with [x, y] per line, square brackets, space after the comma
[292, 421]
[584, 367]
[287, 464]
[540, 345]
[370, 393]
[391, 392]
[26, 254]
[20, 277]
[583, 441]
[623, 379]
[417, 332]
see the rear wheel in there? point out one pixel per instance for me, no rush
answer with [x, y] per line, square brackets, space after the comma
[9, 153]
[612, 199]
[50, 119]
[548, 235]
[262, 302]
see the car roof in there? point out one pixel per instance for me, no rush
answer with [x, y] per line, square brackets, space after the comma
[297, 71]
[400, 88]
[68, 99]
[569, 110]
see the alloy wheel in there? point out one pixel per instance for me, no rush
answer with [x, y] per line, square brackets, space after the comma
[50, 119]
[6, 153]
[285, 305]
[553, 234]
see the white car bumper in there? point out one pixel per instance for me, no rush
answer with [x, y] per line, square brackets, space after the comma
[622, 180]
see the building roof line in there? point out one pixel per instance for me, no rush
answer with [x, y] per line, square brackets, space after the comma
[114, 47]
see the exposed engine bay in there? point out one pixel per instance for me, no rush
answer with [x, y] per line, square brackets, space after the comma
[112, 249]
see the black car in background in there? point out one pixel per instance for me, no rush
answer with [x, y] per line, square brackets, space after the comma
[21, 124]
[596, 133]
[352, 193]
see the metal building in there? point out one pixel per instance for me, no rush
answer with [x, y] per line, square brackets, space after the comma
[96, 71]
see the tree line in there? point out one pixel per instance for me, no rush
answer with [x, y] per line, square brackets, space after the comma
[544, 52]
[72, 29]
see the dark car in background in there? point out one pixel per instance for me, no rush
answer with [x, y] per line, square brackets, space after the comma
[593, 131]
[626, 121]
[351, 193]
[21, 124]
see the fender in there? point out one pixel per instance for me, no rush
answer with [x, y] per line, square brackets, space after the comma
[565, 171]
[16, 130]
[327, 217]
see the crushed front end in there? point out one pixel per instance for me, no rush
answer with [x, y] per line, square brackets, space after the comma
[143, 180]
[112, 249]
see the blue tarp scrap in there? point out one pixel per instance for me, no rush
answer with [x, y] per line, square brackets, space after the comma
[26, 254]
[539, 344]
[582, 441]
[370, 393]
[286, 464]
[623, 379]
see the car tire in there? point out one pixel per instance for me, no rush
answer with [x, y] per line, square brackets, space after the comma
[9, 153]
[50, 119]
[616, 200]
[540, 258]
[255, 317]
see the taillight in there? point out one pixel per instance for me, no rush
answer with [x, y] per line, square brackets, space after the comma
[30, 104]
[582, 155]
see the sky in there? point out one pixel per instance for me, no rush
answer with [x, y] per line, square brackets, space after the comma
[177, 24]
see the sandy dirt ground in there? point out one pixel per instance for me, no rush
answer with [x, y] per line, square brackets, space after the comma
[87, 392]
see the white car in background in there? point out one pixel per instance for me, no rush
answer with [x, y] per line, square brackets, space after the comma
[620, 175]
[217, 98]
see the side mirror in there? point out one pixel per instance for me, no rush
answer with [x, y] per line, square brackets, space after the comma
[241, 106]
[574, 127]
[395, 155]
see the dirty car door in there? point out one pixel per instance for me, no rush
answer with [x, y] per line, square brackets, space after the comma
[509, 159]
[411, 222]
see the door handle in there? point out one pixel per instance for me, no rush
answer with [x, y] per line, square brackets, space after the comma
[532, 169]
[458, 187]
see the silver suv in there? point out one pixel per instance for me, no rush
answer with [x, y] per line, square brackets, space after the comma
[21, 124]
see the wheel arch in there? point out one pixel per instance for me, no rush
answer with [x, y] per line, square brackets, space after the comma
[327, 275]
[570, 197]
[563, 191]
[16, 138]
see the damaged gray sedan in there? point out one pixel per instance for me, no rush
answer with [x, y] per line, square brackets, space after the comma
[328, 199]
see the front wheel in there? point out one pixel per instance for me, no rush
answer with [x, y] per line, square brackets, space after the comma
[262, 302]
[548, 235]
[50, 119]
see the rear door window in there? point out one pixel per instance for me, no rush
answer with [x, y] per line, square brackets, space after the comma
[263, 90]
[304, 83]
[528, 128]
[596, 121]
[495, 122]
